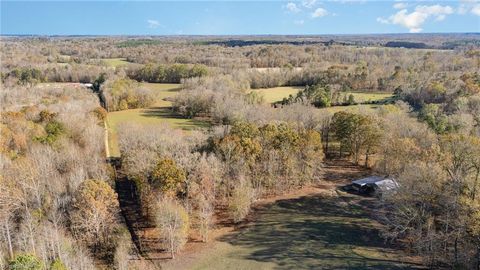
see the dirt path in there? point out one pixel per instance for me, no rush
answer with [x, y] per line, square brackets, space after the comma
[106, 140]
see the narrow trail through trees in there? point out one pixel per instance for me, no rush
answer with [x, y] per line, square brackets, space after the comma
[129, 202]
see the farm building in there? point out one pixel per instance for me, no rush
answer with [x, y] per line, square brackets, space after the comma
[373, 184]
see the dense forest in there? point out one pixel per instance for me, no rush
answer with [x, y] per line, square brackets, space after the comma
[59, 199]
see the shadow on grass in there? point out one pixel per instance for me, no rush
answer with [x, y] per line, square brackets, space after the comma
[179, 121]
[316, 232]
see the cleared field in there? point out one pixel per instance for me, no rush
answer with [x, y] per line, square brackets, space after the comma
[361, 97]
[115, 62]
[324, 231]
[163, 91]
[159, 113]
[276, 94]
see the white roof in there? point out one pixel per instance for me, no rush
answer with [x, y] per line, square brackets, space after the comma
[387, 184]
[368, 180]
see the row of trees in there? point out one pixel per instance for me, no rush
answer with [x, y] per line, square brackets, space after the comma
[167, 74]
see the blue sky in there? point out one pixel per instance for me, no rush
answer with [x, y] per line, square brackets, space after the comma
[237, 17]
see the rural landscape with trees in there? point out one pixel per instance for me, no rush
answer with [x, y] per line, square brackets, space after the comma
[220, 152]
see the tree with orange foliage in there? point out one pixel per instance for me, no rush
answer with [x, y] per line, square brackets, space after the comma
[95, 211]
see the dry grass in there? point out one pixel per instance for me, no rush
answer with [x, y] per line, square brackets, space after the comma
[276, 94]
[115, 62]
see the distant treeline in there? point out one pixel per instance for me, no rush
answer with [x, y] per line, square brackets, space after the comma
[406, 44]
[242, 43]
[138, 42]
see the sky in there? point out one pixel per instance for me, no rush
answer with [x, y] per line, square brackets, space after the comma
[303, 17]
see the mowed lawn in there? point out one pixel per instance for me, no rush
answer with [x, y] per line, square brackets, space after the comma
[158, 113]
[276, 94]
[324, 231]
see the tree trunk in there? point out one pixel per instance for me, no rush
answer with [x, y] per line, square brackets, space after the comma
[478, 257]
[474, 191]
[367, 155]
[456, 251]
[9, 239]
[326, 143]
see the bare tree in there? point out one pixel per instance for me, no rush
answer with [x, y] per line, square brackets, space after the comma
[173, 222]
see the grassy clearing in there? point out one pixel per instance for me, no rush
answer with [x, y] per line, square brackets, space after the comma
[115, 62]
[323, 231]
[361, 97]
[159, 113]
[276, 94]
[163, 91]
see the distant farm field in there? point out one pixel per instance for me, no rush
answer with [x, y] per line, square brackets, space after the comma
[159, 113]
[361, 97]
[276, 94]
[115, 62]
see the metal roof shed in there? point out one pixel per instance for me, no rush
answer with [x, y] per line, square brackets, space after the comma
[365, 181]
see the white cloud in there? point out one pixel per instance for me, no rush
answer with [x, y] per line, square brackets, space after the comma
[434, 10]
[462, 9]
[440, 17]
[299, 22]
[466, 6]
[153, 23]
[414, 20]
[292, 7]
[399, 5]
[382, 20]
[476, 10]
[319, 12]
[350, 1]
[309, 3]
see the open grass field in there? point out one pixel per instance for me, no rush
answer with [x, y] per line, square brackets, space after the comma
[159, 113]
[275, 94]
[115, 62]
[361, 97]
